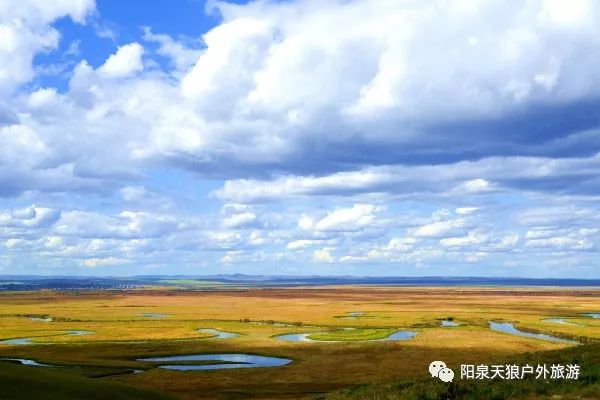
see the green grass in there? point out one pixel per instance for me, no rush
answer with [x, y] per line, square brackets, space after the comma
[354, 334]
[586, 387]
[18, 382]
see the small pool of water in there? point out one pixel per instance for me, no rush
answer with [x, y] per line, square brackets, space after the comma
[155, 315]
[24, 361]
[401, 335]
[295, 337]
[40, 319]
[593, 315]
[221, 361]
[353, 315]
[17, 342]
[304, 337]
[508, 327]
[448, 323]
[80, 333]
[217, 333]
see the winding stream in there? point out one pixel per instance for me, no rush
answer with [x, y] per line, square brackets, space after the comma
[508, 327]
[222, 361]
[17, 342]
[304, 337]
[24, 361]
[592, 315]
[217, 333]
[28, 341]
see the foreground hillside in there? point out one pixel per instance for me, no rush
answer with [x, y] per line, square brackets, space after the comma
[18, 382]
[587, 387]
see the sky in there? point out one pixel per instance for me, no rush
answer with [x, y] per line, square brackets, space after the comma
[323, 137]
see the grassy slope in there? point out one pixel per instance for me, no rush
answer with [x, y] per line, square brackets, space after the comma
[23, 382]
[587, 387]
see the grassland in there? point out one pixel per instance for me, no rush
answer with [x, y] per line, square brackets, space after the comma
[356, 334]
[122, 334]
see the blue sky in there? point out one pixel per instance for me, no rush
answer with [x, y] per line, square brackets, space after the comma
[301, 137]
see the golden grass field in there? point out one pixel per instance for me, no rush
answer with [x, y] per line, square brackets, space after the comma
[122, 334]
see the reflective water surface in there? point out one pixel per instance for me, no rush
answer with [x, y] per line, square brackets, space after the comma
[304, 337]
[221, 361]
[218, 334]
[508, 327]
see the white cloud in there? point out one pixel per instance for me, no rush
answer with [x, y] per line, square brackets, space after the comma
[240, 220]
[300, 244]
[323, 255]
[351, 219]
[283, 55]
[475, 185]
[134, 193]
[30, 217]
[278, 107]
[402, 245]
[458, 179]
[126, 61]
[127, 224]
[182, 56]
[561, 243]
[465, 210]
[464, 241]
[25, 30]
[438, 228]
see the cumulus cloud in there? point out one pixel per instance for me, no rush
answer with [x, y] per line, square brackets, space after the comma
[22, 222]
[347, 219]
[464, 241]
[25, 30]
[464, 129]
[126, 61]
[323, 255]
[180, 53]
[575, 175]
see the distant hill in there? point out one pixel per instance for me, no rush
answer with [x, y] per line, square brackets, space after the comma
[18, 282]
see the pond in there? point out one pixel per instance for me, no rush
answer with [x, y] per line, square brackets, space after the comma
[155, 315]
[592, 315]
[447, 323]
[221, 361]
[401, 335]
[304, 337]
[41, 319]
[80, 333]
[217, 333]
[17, 342]
[353, 315]
[24, 361]
[295, 337]
[508, 327]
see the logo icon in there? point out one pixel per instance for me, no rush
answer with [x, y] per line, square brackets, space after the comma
[438, 369]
